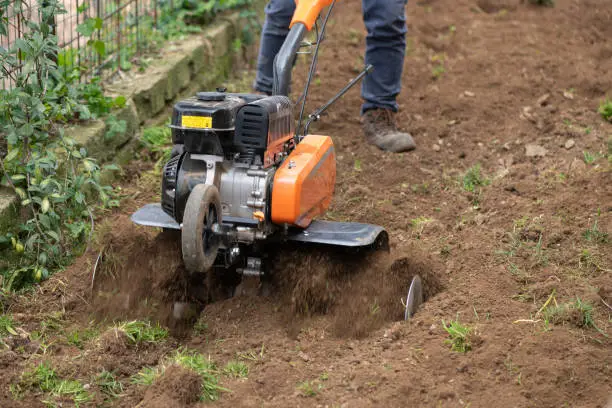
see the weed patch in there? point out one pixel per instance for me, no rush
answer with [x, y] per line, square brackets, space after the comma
[142, 332]
[44, 378]
[236, 369]
[459, 336]
[109, 384]
[605, 109]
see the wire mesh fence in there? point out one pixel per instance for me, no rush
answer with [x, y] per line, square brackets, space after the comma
[95, 36]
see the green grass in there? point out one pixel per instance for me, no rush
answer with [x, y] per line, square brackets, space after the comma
[7, 326]
[459, 336]
[590, 158]
[44, 378]
[189, 360]
[605, 109]
[205, 368]
[157, 137]
[578, 312]
[146, 376]
[593, 234]
[307, 388]
[158, 140]
[236, 369]
[138, 331]
[109, 385]
[78, 337]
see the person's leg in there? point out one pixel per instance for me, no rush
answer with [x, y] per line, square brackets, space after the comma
[275, 30]
[385, 22]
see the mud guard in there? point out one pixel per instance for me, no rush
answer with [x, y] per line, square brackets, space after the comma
[152, 215]
[344, 234]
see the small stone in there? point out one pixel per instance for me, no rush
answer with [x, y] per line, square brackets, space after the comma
[568, 95]
[469, 94]
[480, 144]
[506, 146]
[416, 116]
[452, 122]
[533, 150]
[570, 143]
[436, 148]
[303, 356]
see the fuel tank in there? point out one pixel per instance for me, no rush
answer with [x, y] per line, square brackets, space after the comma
[304, 183]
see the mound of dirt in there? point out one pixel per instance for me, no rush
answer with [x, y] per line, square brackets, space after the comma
[176, 387]
[362, 291]
[114, 342]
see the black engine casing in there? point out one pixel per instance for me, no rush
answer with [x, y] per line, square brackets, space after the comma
[235, 126]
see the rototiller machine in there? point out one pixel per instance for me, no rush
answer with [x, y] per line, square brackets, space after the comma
[245, 173]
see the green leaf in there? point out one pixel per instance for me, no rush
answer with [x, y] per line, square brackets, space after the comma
[120, 101]
[45, 205]
[21, 193]
[112, 167]
[99, 46]
[53, 235]
[17, 177]
[89, 26]
[79, 197]
[11, 155]
[89, 165]
[25, 202]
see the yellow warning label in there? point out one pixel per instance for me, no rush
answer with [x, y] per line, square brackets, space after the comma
[197, 122]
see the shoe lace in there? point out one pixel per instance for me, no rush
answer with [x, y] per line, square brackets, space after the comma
[383, 115]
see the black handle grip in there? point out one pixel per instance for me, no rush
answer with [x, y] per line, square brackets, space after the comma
[283, 62]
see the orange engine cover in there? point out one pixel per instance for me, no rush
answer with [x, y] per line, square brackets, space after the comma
[304, 184]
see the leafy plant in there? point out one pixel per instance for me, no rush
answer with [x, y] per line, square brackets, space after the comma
[7, 326]
[605, 109]
[459, 336]
[58, 185]
[97, 102]
[474, 179]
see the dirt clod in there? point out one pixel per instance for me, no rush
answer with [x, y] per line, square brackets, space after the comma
[176, 387]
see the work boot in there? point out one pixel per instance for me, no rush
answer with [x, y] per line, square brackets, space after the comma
[381, 130]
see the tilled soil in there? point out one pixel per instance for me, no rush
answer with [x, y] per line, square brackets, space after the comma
[506, 85]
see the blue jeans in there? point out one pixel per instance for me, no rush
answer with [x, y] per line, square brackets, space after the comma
[385, 21]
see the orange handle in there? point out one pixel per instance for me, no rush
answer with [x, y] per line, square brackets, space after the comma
[307, 11]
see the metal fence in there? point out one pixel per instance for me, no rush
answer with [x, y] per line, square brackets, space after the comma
[95, 35]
